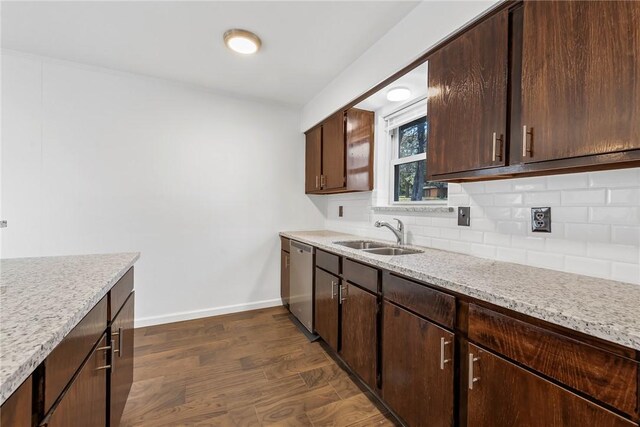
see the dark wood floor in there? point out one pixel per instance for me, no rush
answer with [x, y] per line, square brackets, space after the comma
[247, 369]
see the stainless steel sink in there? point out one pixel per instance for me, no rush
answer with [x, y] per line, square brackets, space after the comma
[362, 244]
[392, 251]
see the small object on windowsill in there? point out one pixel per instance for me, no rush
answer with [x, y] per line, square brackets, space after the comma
[427, 209]
[3, 223]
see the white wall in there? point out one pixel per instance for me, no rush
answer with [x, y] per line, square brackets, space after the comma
[95, 161]
[595, 222]
[425, 26]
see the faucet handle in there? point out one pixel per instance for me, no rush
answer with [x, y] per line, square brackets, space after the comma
[400, 224]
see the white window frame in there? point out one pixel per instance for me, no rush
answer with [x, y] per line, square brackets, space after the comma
[403, 115]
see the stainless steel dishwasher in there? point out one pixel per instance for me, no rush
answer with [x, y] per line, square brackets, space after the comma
[301, 283]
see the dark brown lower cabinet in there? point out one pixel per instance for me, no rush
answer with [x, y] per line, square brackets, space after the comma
[16, 410]
[327, 307]
[503, 394]
[84, 402]
[417, 368]
[359, 331]
[122, 361]
[284, 277]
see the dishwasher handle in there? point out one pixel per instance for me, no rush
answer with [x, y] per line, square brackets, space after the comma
[301, 247]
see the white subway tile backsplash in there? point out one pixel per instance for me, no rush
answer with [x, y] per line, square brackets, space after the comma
[626, 272]
[595, 222]
[535, 243]
[622, 235]
[615, 215]
[529, 184]
[569, 214]
[623, 253]
[512, 255]
[567, 247]
[545, 260]
[500, 186]
[624, 196]
[569, 181]
[497, 239]
[508, 199]
[615, 178]
[599, 233]
[546, 198]
[588, 266]
[583, 197]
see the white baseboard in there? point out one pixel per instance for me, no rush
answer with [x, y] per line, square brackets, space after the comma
[207, 312]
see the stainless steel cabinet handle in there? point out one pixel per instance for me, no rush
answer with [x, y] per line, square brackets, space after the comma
[344, 293]
[119, 334]
[472, 379]
[107, 347]
[317, 178]
[323, 180]
[333, 284]
[497, 148]
[526, 147]
[495, 137]
[443, 343]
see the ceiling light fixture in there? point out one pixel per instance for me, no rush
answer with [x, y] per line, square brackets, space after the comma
[398, 94]
[242, 41]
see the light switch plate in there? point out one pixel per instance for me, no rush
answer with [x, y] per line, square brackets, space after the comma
[541, 220]
[464, 213]
[340, 211]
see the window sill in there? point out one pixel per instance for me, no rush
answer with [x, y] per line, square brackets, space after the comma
[433, 209]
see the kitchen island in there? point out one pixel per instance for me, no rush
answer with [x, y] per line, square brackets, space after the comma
[57, 314]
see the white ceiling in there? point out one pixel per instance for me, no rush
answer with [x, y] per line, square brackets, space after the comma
[305, 44]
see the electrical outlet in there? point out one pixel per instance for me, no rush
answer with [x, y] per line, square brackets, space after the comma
[464, 216]
[541, 220]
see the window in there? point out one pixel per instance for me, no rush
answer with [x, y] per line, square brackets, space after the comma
[409, 163]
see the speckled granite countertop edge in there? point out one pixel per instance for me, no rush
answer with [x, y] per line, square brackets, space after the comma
[39, 353]
[618, 333]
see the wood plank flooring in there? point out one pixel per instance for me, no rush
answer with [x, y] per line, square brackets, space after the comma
[247, 369]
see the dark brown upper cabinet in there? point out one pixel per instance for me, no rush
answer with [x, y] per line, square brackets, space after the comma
[467, 106]
[313, 160]
[339, 153]
[580, 79]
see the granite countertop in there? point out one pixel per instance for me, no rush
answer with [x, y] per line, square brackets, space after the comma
[42, 300]
[602, 308]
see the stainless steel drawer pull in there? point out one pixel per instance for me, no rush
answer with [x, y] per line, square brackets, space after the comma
[526, 146]
[104, 348]
[119, 334]
[333, 286]
[472, 379]
[443, 344]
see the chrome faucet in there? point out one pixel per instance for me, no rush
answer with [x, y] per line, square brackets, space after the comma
[398, 232]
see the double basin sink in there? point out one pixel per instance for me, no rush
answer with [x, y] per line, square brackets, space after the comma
[378, 248]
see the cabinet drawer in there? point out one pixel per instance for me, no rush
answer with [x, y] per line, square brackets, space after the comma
[360, 274]
[284, 244]
[328, 262]
[427, 302]
[67, 357]
[607, 377]
[119, 293]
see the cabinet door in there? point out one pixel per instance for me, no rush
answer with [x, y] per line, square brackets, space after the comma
[467, 106]
[359, 332]
[122, 363]
[333, 152]
[417, 368]
[503, 394]
[284, 277]
[359, 140]
[580, 74]
[86, 397]
[326, 307]
[313, 159]
[16, 410]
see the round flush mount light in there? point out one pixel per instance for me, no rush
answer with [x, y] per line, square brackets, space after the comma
[242, 41]
[398, 94]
